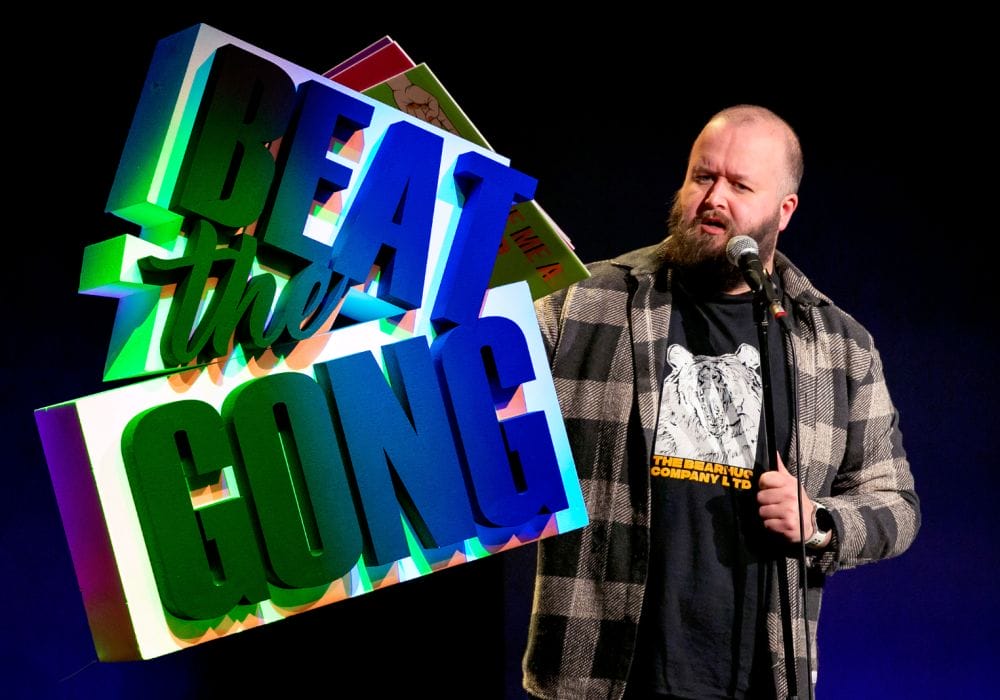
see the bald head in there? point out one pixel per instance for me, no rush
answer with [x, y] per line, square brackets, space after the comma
[745, 115]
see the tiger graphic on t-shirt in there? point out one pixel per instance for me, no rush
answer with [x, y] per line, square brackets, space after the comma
[710, 406]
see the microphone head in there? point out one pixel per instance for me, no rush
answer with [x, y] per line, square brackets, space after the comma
[738, 246]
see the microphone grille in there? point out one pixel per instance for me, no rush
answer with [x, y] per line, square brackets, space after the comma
[738, 246]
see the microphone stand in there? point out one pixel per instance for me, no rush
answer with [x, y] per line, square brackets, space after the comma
[764, 305]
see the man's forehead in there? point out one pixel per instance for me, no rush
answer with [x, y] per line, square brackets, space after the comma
[747, 148]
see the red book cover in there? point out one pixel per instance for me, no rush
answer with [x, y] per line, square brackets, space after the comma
[371, 66]
[358, 57]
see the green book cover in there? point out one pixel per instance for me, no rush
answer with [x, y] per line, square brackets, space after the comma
[533, 248]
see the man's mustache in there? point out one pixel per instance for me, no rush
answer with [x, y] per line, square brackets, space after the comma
[715, 218]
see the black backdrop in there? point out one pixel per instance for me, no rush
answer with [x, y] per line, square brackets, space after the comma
[896, 205]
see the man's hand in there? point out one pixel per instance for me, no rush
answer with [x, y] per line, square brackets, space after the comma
[779, 508]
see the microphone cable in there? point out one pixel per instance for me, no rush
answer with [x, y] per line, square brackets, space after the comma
[802, 556]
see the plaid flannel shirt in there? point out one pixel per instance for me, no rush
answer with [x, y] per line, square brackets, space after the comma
[607, 343]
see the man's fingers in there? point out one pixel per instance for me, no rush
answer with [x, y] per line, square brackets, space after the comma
[781, 466]
[776, 480]
[769, 497]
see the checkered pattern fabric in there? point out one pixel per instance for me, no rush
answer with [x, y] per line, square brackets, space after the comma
[607, 339]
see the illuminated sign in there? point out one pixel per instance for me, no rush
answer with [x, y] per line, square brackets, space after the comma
[334, 401]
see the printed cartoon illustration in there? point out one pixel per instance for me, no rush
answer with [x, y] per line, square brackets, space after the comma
[710, 406]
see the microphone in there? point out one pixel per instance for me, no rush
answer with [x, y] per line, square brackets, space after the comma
[742, 252]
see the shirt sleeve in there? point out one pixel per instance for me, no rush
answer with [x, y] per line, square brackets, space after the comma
[872, 500]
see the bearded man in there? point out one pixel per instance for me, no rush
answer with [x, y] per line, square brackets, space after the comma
[673, 590]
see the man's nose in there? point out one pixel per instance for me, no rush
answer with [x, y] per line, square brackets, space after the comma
[715, 196]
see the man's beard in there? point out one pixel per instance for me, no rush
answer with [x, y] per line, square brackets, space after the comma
[702, 258]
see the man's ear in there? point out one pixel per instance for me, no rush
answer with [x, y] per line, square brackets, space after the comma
[788, 205]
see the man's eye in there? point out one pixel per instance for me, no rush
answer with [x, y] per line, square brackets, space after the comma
[702, 179]
[741, 187]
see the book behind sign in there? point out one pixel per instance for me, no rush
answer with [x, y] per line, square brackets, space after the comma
[533, 248]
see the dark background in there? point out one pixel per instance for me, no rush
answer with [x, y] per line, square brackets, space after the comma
[897, 203]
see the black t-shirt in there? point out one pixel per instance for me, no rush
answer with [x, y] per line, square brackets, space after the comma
[703, 622]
